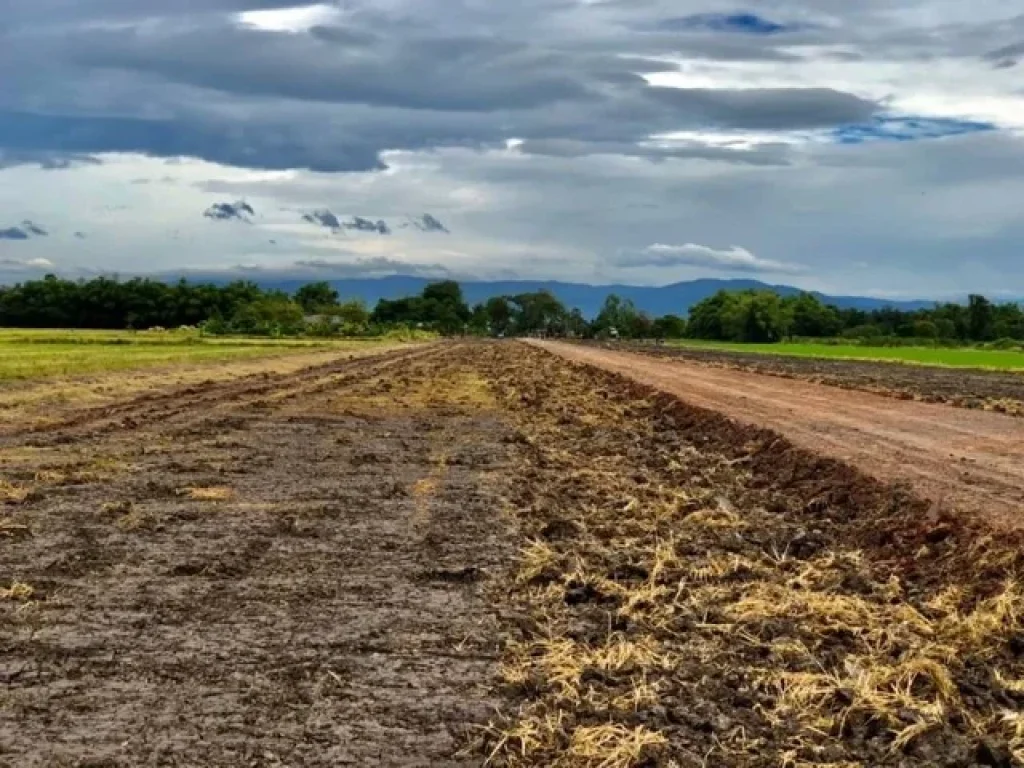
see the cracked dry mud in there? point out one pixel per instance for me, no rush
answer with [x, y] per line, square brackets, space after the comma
[480, 553]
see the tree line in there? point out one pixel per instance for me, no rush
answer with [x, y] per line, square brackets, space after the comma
[242, 307]
[765, 317]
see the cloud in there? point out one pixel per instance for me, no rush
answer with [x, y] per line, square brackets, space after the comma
[1007, 56]
[26, 264]
[556, 134]
[240, 211]
[27, 230]
[373, 267]
[33, 229]
[323, 218]
[45, 159]
[766, 108]
[360, 224]
[429, 223]
[732, 259]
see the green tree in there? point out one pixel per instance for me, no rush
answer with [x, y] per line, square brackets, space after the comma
[540, 311]
[670, 327]
[316, 297]
[622, 316]
[812, 318]
[498, 312]
[758, 317]
[979, 318]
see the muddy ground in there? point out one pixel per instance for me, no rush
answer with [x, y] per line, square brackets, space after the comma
[1002, 392]
[482, 553]
[272, 572]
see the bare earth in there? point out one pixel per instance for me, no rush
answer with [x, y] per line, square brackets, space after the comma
[966, 460]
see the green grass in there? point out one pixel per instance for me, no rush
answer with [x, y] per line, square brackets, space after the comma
[956, 357]
[31, 354]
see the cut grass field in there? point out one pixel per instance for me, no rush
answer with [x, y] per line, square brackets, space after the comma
[35, 354]
[952, 357]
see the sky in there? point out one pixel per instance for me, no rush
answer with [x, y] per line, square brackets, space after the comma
[872, 147]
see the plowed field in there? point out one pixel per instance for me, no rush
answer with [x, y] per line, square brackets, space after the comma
[477, 553]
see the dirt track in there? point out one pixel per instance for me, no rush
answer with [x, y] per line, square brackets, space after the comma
[967, 460]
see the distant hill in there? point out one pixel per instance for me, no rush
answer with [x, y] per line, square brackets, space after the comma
[660, 300]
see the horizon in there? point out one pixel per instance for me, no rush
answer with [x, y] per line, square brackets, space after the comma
[274, 278]
[872, 149]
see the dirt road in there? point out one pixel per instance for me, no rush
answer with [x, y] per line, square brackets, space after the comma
[965, 459]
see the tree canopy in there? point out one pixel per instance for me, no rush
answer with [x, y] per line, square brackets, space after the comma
[316, 308]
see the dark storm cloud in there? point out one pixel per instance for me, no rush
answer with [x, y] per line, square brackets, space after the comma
[1007, 56]
[429, 223]
[767, 108]
[401, 79]
[323, 218]
[474, 74]
[239, 211]
[26, 231]
[47, 160]
[359, 224]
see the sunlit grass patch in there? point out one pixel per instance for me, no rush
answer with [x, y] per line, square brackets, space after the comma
[213, 493]
[18, 592]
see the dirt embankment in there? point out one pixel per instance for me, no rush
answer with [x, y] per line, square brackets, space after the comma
[967, 460]
[998, 391]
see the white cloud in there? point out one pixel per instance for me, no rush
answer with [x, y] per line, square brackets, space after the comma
[295, 19]
[732, 259]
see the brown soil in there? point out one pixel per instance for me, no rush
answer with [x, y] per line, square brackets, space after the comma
[256, 573]
[999, 391]
[483, 553]
[699, 592]
[971, 461]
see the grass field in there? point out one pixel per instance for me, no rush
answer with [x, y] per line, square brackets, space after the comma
[34, 354]
[940, 356]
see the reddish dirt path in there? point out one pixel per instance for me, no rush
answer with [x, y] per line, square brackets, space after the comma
[969, 460]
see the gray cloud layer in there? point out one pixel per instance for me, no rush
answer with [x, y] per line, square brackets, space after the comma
[606, 159]
[408, 77]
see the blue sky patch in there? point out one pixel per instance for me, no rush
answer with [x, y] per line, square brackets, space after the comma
[907, 128]
[745, 23]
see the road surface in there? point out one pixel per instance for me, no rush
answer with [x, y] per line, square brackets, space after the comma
[962, 459]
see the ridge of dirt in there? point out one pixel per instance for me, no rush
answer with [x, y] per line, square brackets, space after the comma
[998, 391]
[966, 461]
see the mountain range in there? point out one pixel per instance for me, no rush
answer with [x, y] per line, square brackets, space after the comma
[676, 298]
